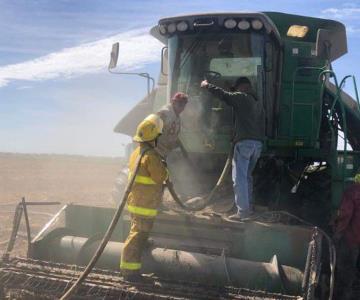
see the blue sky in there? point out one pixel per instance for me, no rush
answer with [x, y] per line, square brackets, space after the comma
[56, 95]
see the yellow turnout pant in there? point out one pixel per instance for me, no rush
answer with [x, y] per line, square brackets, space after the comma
[135, 243]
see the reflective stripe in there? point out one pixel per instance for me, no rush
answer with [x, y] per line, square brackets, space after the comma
[137, 210]
[130, 266]
[143, 179]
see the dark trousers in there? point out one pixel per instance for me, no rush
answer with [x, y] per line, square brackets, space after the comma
[345, 273]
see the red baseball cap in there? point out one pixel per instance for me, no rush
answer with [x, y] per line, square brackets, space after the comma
[179, 96]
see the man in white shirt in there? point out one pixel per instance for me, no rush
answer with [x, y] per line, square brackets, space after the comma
[170, 114]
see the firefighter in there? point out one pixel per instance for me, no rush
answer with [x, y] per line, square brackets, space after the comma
[347, 240]
[145, 195]
[170, 115]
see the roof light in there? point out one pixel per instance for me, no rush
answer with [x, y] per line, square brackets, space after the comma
[295, 51]
[171, 28]
[162, 29]
[297, 31]
[182, 26]
[257, 24]
[230, 23]
[243, 25]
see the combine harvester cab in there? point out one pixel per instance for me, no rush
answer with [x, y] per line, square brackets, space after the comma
[284, 251]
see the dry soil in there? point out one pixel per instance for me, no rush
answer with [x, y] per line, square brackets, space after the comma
[63, 178]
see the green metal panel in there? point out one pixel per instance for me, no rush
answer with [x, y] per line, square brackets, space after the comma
[87, 221]
[300, 104]
[302, 121]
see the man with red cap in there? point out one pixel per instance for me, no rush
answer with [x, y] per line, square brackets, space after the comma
[170, 115]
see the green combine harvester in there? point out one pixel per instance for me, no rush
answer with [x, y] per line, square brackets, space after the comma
[285, 251]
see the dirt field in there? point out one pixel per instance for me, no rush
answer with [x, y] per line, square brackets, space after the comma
[77, 179]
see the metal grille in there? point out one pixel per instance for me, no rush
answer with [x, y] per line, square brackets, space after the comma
[33, 279]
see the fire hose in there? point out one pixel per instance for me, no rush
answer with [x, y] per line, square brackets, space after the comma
[207, 199]
[221, 179]
[176, 198]
[108, 233]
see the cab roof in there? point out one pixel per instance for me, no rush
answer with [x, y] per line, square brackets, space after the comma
[276, 23]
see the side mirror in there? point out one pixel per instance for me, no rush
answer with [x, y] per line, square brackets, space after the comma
[114, 56]
[268, 57]
[323, 44]
[164, 61]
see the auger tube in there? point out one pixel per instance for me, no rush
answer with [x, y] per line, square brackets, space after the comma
[218, 270]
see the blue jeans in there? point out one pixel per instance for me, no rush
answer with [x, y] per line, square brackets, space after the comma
[246, 154]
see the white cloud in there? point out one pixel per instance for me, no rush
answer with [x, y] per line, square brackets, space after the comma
[137, 48]
[341, 13]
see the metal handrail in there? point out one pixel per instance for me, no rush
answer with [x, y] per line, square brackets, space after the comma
[342, 83]
[144, 75]
[21, 209]
[356, 92]
[338, 98]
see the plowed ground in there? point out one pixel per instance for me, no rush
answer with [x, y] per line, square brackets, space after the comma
[76, 179]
